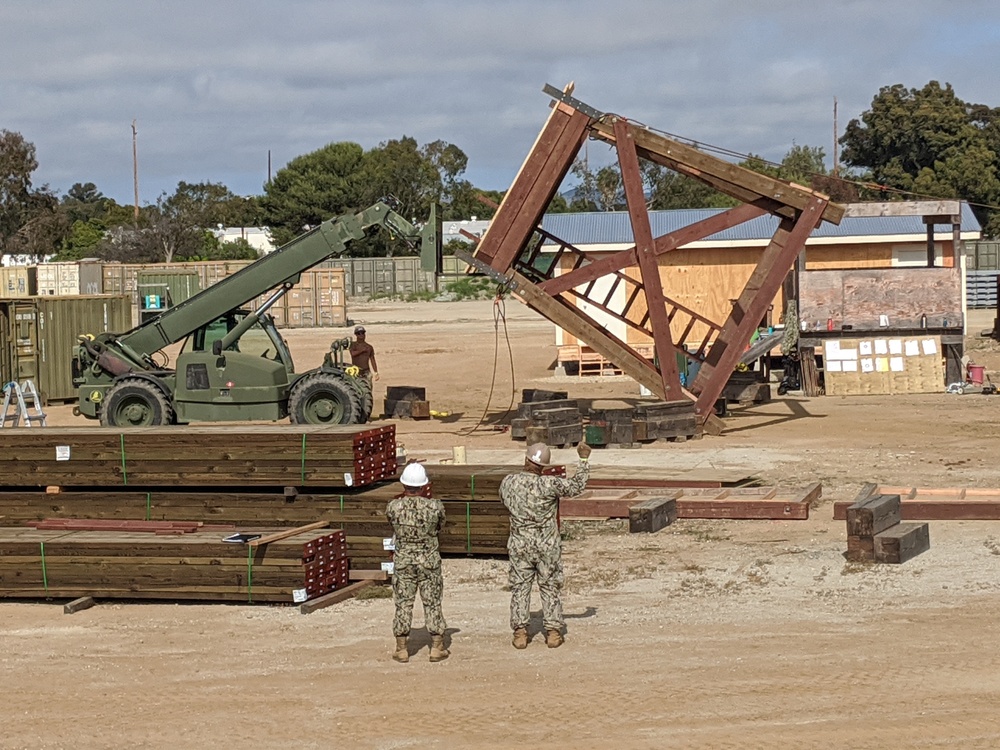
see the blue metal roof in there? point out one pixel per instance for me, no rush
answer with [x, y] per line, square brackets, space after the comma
[614, 227]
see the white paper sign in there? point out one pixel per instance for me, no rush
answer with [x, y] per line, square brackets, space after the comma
[299, 595]
[895, 347]
[389, 544]
[62, 453]
[881, 346]
[930, 346]
[850, 365]
[867, 365]
[848, 353]
[834, 365]
[348, 479]
[865, 348]
[896, 364]
[831, 349]
[388, 567]
[912, 348]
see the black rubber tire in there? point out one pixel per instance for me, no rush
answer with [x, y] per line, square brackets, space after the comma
[366, 400]
[134, 402]
[324, 398]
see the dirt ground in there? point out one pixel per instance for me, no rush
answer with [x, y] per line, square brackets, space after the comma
[721, 634]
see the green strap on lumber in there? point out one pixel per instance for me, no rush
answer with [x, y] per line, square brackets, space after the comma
[472, 486]
[124, 469]
[149, 501]
[303, 458]
[468, 528]
[249, 575]
[341, 505]
[45, 575]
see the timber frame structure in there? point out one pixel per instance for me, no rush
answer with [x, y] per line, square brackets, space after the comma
[511, 251]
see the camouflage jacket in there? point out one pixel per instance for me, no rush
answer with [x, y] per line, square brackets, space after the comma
[416, 522]
[533, 502]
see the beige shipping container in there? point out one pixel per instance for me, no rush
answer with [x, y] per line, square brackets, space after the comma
[58, 279]
[18, 281]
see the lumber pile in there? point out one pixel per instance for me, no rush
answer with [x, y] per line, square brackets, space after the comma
[746, 388]
[610, 423]
[875, 532]
[197, 566]
[548, 417]
[406, 402]
[341, 456]
[665, 420]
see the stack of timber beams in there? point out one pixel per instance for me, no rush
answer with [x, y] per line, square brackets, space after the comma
[406, 402]
[195, 566]
[937, 503]
[252, 456]
[875, 533]
[535, 400]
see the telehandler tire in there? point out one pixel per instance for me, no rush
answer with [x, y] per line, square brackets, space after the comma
[134, 402]
[322, 398]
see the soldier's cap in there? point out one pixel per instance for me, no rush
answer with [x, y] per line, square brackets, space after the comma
[359, 330]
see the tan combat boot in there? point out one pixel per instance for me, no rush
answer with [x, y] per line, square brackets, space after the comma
[520, 638]
[401, 654]
[553, 638]
[438, 651]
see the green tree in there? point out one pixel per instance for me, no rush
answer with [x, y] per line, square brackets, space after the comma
[17, 162]
[931, 143]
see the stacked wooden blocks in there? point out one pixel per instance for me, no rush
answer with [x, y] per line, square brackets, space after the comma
[547, 417]
[610, 423]
[669, 420]
[875, 533]
[406, 402]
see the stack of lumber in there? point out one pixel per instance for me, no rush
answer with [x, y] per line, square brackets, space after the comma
[670, 420]
[342, 456]
[196, 566]
[406, 402]
[875, 533]
[549, 416]
[610, 424]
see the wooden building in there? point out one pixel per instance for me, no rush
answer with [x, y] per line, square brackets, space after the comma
[887, 268]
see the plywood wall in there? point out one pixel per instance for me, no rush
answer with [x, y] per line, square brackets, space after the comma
[883, 365]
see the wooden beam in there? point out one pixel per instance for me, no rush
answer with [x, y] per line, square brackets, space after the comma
[777, 259]
[903, 208]
[334, 597]
[575, 323]
[736, 181]
[279, 535]
[533, 188]
[649, 268]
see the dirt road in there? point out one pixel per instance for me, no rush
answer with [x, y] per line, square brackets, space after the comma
[704, 635]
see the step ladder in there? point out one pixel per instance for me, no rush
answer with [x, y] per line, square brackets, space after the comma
[17, 398]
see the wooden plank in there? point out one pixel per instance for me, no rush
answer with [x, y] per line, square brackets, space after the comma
[279, 535]
[335, 597]
[860, 549]
[78, 605]
[902, 542]
[902, 208]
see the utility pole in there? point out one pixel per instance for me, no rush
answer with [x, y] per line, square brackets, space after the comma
[836, 162]
[135, 172]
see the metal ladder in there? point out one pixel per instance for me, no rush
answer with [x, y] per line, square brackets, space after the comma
[18, 397]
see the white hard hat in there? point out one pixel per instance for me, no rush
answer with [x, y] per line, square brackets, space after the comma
[538, 453]
[414, 475]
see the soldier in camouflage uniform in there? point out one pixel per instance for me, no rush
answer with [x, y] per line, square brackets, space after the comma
[416, 519]
[534, 545]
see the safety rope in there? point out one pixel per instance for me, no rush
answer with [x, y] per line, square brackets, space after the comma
[499, 314]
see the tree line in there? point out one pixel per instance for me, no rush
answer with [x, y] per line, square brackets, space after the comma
[910, 144]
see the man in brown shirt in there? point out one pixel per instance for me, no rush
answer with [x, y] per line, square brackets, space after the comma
[363, 355]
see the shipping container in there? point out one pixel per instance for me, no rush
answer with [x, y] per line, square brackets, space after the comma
[163, 288]
[91, 277]
[18, 281]
[58, 279]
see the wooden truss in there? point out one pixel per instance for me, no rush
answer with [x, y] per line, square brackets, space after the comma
[513, 246]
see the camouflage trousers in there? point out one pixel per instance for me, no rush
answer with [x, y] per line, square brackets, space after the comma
[526, 567]
[407, 580]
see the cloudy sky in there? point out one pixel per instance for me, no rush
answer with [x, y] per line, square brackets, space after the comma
[215, 87]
